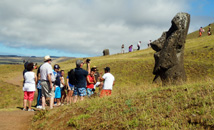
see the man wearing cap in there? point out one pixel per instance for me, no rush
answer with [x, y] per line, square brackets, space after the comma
[108, 79]
[80, 75]
[47, 79]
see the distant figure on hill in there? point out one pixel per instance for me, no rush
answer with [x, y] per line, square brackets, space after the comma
[122, 49]
[29, 87]
[47, 82]
[108, 79]
[209, 31]
[149, 44]
[138, 45]
[201, 30]
[130, 48]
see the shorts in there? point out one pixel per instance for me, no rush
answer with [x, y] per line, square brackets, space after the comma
[89, 92]
[58, 92]
[79, 91]
[96, 85]
[29, 95]
[105, 93]
[71, 87]
[46, 90]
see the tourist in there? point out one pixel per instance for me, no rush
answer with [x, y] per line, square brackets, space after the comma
[138, 45]
[108, 84]
[90, 83]
[30, 80]
[122, 49]
[47, 82]
[57, 83]
[80, 75]
[130, 48]
[62, 86]
[70, 91]
[209, 31]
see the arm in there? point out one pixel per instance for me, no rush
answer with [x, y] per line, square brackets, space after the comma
[36, 81]
[50, 81]
[68, 84]
[89, 80]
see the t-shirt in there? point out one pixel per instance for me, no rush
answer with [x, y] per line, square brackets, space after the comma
[46, 69]
[29, 84]
[57, 78]
[80, 75]
[108, 81]
[91, 79]
[69, 83]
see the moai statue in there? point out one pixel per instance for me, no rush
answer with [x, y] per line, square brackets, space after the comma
[169, 66]
[105, 52]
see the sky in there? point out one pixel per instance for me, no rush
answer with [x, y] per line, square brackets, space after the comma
[84, 28]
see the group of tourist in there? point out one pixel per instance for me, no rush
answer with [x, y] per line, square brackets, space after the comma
[201, 31]
[130, 49]
[51, 85]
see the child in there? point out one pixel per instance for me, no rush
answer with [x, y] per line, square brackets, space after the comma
[30, 81]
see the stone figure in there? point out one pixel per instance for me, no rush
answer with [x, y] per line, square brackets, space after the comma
[105, 52]
[169, 66]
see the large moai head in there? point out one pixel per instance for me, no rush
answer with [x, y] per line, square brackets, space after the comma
[169, 49]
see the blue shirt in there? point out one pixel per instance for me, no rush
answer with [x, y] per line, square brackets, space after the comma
[80, 75]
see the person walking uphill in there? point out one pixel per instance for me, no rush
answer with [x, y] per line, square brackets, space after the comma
[30, 81]
[47, 79]
[80, 75]
[108, 79]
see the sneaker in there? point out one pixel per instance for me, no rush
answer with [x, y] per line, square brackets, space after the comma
[31, 110]
[24, 109]
[40, 107]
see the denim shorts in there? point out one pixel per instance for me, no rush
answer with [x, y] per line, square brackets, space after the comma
[89, 92]
[79, 91]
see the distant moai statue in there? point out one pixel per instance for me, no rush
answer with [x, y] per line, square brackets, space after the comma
[105, 52]
[169, 66]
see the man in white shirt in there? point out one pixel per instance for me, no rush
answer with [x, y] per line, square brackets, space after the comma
[108, 79]
[47, 81]
[138, 45]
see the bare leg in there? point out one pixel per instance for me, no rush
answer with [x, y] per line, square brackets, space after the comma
[25, 104]
[75, 98]
[43, 102]
[51, 102]
[81, 98]
[29, 105]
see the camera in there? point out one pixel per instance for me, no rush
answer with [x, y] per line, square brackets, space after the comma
[88, 60]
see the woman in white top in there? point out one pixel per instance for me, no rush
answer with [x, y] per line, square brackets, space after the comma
[29, 87]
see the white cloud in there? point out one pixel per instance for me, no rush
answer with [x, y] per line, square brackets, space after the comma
[85, 26]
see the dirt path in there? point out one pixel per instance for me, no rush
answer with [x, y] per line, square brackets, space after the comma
[15, 120]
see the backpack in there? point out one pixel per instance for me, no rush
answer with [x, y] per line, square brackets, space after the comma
[71, 77]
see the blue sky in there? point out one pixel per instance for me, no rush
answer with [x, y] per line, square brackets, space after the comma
[85, 28]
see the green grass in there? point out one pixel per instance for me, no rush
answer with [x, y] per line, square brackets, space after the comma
[135, 102]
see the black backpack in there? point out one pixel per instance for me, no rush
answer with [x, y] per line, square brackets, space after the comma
[71, 77]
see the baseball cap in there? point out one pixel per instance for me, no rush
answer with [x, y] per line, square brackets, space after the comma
[107, 69]
[46, 58]
[79, 62]
[56, 66]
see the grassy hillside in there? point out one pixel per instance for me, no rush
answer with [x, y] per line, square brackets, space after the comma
[136, 103]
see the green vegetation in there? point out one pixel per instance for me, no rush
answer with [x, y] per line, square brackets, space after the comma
[136, 103]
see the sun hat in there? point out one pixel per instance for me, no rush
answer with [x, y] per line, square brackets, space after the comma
[47, 58]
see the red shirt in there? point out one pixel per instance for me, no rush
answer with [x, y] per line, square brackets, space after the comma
[91, 79]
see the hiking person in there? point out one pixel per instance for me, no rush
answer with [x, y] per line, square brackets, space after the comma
[201, 30]
[70, 91]
[62, 86]
[138, 45]
[149, 44]
[29, 88]
[108, 84]
[209, 31]
[122, 49]
[97, 78]
[90, 83]
[130, 48]
[47, 82]
[80, 75]
[39, 91]
[57, 83]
